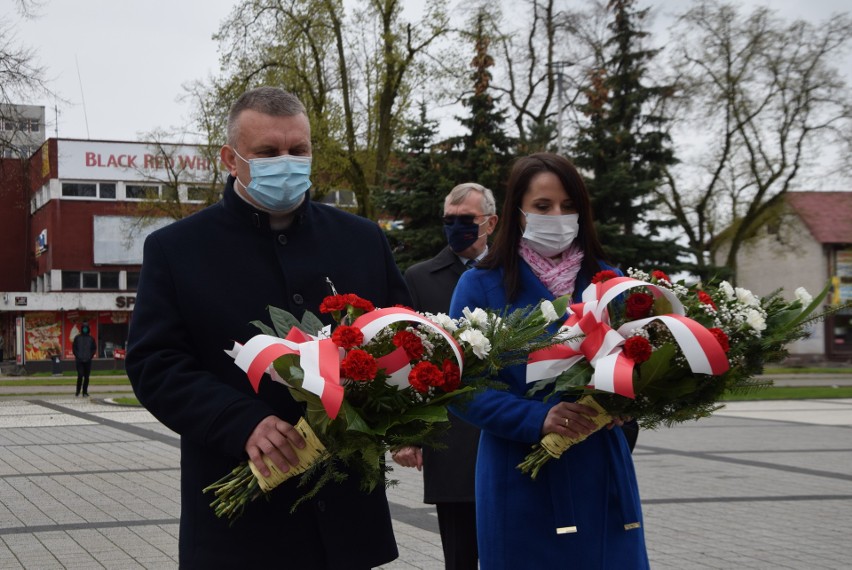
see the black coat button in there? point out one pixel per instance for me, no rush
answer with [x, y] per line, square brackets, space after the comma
[282, 239]
[298, 299]
[321, 506]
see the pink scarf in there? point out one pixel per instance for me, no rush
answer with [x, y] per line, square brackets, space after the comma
[558, 276]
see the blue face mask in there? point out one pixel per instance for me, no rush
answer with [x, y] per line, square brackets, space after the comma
[461, 234]
[279, 182]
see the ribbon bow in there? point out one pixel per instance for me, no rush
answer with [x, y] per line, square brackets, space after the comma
[319, 358]
[592, 338]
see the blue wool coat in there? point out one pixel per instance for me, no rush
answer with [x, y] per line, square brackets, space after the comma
[204, 279]
[591, 487]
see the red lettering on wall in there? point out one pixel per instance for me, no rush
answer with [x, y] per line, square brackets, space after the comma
[90, 159]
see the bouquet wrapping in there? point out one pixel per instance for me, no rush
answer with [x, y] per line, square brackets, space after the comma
[379, 380]
[662, 353]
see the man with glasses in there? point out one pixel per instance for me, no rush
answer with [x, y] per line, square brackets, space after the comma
[448, 473]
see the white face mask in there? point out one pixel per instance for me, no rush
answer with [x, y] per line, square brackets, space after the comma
[550, 235]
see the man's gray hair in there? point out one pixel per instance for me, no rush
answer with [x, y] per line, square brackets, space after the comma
[267, 100]
[458, 194]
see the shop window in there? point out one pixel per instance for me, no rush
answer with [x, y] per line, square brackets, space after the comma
[110, 337]
[107, 190]
[90, 280]
[109, 280]
[142, 192]
[132, 280]
[79, 190]
[70, 280]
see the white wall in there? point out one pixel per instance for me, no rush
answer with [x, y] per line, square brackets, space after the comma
[788, 259]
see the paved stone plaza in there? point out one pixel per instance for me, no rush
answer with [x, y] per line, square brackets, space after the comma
[761, 485]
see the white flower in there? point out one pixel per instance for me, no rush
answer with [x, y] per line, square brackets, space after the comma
[549, 311]
[755, 320]
[444, 321]
[478, 342]
[727, 290]
[746, 297]
[638, 274]
[477, 318]
[803, 296]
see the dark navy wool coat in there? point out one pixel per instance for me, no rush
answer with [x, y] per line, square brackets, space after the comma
[592, 487]
[448, 469]
[203, 280]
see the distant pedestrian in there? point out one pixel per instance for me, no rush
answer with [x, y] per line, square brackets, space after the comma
[84, 350]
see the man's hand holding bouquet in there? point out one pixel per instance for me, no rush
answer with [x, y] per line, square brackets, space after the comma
[660, 352]
[378, 380]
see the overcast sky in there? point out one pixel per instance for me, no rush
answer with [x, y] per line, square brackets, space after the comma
[128, 60]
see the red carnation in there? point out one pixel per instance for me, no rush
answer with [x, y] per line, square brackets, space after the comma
[638, 349]
[452, 376]
[602, 276]
[423, 375]
[659, 275]
[639, 305]
[409, 342]
[707, 300]
[333, 303]
[347, 337]
[359, 303]
[359, 365]
[722, 338]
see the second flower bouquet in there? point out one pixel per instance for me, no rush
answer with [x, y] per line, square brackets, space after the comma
[666, 353]
[378, 380]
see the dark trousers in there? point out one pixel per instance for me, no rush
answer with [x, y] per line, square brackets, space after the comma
[83, 371]
[457, 522]
[631, 433]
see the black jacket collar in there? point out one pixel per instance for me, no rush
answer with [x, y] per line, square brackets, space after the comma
[258, 219]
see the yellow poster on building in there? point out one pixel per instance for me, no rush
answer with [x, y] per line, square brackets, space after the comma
[45, 160]
[43, 335]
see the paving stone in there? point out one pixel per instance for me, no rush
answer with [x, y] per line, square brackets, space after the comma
[759, 485]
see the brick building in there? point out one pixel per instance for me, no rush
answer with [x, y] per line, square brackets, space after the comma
[73, 220]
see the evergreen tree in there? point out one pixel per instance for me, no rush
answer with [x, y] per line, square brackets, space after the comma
[625, 148]
[417, 187]
[485, 151]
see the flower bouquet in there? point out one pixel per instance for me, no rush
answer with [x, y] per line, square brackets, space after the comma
[381, 379]
[660, 352]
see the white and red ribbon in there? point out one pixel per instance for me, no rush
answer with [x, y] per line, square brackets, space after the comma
[319, 358]
[590, 337]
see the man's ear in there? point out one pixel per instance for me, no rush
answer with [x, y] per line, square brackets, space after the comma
[492, 223]
[229, 159]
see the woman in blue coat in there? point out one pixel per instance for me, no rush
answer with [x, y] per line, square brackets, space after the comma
[582, 511]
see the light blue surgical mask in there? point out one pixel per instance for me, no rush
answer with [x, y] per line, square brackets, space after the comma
[279, 182]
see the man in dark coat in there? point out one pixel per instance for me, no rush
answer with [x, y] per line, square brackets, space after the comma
[84, 350]
[204, 279]
[448, 472]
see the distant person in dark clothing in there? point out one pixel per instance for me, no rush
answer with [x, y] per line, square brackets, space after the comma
[84, 350]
